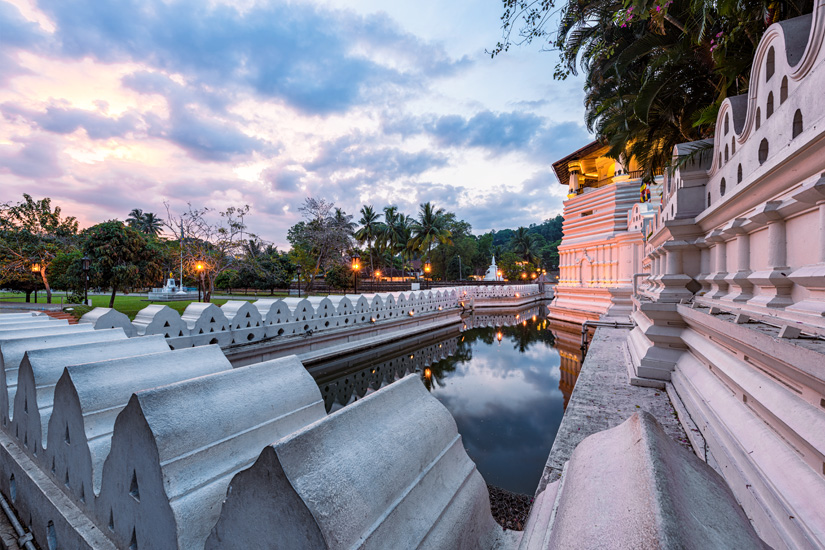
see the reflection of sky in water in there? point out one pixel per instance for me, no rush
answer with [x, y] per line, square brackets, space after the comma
[507, 403]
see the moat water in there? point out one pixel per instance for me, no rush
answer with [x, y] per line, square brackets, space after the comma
[503, 376]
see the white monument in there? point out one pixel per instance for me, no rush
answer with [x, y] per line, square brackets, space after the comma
[492, 272]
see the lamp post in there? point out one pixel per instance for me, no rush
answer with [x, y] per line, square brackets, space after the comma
[86, 265]
[356, 266]
[377, 278]
[498, 275]
[35, 269]
[459, 268]
[298, 272]
[427, 268]
[199, 267]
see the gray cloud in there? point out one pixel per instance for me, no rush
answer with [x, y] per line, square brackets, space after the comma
[303, 55]
[36, 159]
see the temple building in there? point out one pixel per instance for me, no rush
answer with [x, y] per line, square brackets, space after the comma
[604, 234]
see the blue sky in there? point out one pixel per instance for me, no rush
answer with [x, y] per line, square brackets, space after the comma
[107, 106]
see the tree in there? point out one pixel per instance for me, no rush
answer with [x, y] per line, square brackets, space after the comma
[135, 219]
[656, 71]
[522, 243]
[429, 228]
[33, 235]
[213, 243]
[145, 222]
[121, 257]
[370, 229]
[322, 239]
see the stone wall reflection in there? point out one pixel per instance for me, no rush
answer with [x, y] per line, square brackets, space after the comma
[429, 360]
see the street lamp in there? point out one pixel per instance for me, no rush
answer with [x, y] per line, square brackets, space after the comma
[459, 268]
[523, 274]
[87, 262]
[498, 275]
[377, 277]
[356, 267]
[35, 269]
[298, 272]
[199, 267]
[427, 268]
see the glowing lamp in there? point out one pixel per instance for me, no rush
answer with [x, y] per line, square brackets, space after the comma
[355, 261]
[427, 373]
[427, 266]
[199, 267]
[499, 336]
[35, 268]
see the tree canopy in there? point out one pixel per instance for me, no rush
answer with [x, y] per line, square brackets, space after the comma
[656, 71]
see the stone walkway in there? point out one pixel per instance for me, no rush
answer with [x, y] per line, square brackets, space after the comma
[603, 398]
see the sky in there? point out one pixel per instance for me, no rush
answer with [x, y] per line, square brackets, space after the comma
[106, 106]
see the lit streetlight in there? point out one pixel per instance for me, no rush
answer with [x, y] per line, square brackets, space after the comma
[35, 269]
[200, 267]
[356, 267]
[427, 268]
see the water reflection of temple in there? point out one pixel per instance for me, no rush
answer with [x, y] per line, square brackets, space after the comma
[568, 343]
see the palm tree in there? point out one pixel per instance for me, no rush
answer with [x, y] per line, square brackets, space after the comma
[370, 229]
[429, 228]
[135, 219]
[151, 224]
[522, 243]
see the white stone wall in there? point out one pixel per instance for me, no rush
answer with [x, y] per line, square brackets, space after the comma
[741, 237]
[239, 322]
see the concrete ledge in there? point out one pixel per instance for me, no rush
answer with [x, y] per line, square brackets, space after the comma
[12, 351]
[175, 449]
[104, 317]
[88, 398]
[349, 482]
[633, 487]
[41, 369]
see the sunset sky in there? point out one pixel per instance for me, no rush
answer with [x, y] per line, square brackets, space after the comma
[110, 105]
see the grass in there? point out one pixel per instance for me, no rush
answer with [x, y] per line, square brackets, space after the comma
[127, 304]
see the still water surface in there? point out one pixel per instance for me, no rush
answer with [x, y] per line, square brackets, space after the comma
[506, 387]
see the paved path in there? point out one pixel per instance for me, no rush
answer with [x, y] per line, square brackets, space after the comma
[603, 398]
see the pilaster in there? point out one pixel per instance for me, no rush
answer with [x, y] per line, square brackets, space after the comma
[718, 284]
[812, 276]
[741, 288]
[773, 283]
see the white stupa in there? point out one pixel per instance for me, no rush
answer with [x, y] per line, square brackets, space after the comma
[492, 272]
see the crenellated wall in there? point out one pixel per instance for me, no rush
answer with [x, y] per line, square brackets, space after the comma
[241, 322]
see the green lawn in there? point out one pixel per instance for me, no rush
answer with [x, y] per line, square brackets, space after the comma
[130, 305]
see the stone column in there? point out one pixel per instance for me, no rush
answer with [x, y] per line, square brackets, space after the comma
[812, 276]
[574, 182]
[741, 289]
[704, 265]
[718, 285]
[674, 281]
[773, 283]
